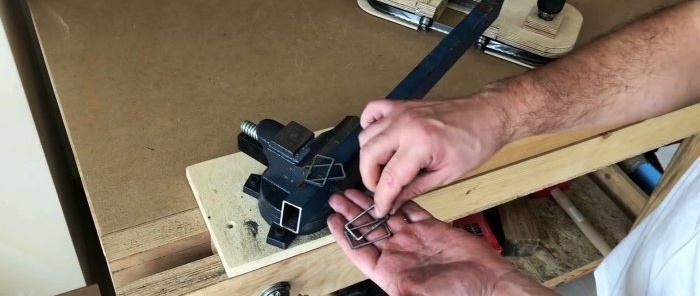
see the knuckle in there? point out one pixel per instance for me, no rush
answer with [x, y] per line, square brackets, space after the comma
[411, 114]
[388, 177]
[411, 192]
[423, 131]
[362, 138]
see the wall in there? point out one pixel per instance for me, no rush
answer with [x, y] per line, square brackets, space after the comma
[36, 249]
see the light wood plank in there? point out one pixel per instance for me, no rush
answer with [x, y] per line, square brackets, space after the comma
[155, 246]
[687, 153]
[510, 28]
[176, 258]
[310, 273]
[621, 189]
[428, 8]
[575, 274]
[180, 280]
[479, 192]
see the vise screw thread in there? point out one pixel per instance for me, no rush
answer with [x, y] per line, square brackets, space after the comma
[250, 129]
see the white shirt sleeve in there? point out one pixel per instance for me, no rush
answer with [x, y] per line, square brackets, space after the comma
[661, 256]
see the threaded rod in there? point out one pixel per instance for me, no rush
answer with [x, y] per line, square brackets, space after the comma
[250, 129]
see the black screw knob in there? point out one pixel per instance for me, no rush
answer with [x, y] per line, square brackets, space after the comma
[548, 9]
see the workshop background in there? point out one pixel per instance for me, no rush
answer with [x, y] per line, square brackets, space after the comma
[49, 243]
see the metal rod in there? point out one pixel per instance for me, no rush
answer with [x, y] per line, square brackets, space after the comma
[429, 71]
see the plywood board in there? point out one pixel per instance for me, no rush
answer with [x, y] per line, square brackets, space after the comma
[237, 229]
[510, 27]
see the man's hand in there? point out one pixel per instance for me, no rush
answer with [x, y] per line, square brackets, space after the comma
[426, 256]
[643, 70]
[409, 148]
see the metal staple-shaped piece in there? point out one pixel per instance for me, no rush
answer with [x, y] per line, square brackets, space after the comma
[355, 245]
[321, 181]
[373, 225]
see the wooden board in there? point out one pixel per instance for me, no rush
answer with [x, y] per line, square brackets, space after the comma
[510, 28]
[517, 25]
[156, 246]
[520, 234]
[237, 229]
[621, 189]
[428, 8]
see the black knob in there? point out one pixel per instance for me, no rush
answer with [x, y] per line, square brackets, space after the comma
[548, 9]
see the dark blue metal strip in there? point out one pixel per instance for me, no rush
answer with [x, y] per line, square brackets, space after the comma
[429, 71]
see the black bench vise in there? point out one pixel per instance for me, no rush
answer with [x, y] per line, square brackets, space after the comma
[302, 172]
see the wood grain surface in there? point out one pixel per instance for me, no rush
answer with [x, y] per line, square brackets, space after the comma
[621, 189]
[521, 236]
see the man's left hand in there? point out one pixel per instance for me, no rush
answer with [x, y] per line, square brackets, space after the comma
[425, 256]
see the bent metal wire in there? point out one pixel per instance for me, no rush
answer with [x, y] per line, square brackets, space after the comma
[357, 241]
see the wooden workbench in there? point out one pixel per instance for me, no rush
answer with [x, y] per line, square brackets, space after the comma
[147, 88]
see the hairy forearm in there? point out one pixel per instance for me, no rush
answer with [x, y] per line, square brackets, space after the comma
[645, 69]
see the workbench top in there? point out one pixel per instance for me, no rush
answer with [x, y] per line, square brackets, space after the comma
[147, 88]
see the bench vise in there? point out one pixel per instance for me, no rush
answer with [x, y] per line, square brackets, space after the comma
[302, 172]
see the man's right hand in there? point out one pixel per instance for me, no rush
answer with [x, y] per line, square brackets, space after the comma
[409, 148]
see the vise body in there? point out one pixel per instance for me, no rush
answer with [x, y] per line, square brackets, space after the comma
[302, 172]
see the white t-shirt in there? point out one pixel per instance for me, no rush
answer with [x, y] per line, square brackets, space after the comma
[661, 256]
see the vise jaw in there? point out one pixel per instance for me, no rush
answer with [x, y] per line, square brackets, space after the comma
[302, 173]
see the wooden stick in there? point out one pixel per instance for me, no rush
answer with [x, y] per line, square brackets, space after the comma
[586, 227]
